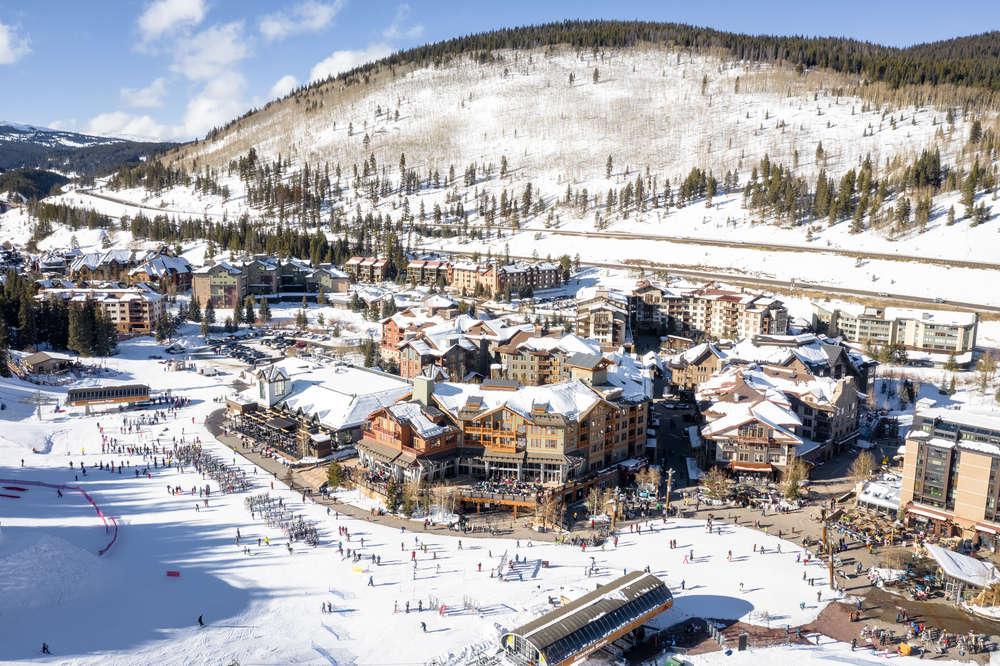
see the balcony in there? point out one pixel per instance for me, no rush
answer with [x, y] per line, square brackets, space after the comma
[383, 431]
[500, 447]
[755, 440]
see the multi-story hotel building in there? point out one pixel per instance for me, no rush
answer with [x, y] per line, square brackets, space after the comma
[950, 472]
[940, 331]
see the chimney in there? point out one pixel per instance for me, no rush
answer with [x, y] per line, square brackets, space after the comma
[423, 388]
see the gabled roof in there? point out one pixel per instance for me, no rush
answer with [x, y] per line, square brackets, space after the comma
[586, 361]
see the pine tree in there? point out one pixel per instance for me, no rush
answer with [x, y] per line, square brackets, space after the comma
[335, 475]
[161, 330]
[28, 331]
[228, 327]
[204, 328]
[305, 303]
[194, 309]
[951, 364]
[356, 305]
[104, 333]
[4, 348]
[951, 386]
[408, 504]
[975, 132]
[237, 314]
[607, 171]
[597, 76]
[81, 330]
[248, 313]
[265, 311]
[210, 312]
[321, 297]
[392, 496]
[389, 307]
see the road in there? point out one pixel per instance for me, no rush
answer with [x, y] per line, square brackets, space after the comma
[757, 245]
[766, 282]
[703, 275]
[155, 210]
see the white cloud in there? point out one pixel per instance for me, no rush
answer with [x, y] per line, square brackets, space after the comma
[285, 85]
[163, 16]
[120, 122]
[211, 52]
[310, 16]
[151, 97]
[67, 125]
[219, 102]
[396, 30]
[341, 61]
[12, 47]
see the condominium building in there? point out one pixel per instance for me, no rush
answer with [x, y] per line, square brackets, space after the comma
[730, 313]
[534, 357]
[445, 347]
[759, 418]
[133, 310]
[163, 272]
[496, 279]
[222, 283]
[602, 315]
[936, 331]
[950, 469]
[429, 272]
[367, 269]
[807, 353]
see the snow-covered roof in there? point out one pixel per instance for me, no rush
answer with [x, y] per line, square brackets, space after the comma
[415, 414]
[936, 317]
[162, 265]
[963, 417]
[569, 399]
[232, 270]
[964, 568]
[885, 492]
[340, 396]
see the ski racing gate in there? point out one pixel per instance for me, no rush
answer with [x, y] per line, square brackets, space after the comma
[603, 619]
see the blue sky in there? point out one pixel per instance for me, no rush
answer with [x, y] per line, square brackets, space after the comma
[176, 68]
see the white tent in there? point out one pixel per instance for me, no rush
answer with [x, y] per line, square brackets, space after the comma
[964, 568]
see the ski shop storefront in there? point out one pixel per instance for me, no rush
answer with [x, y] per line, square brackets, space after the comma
[567, 635]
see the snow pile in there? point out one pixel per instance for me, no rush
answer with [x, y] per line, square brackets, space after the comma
[38, 570]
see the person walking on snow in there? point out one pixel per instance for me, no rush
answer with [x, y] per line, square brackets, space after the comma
[200, 622]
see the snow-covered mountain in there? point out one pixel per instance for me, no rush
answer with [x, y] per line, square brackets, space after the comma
[450, 139]
[27, 145]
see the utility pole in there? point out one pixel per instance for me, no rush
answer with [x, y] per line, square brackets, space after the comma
[670, 487]
[828, 546]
